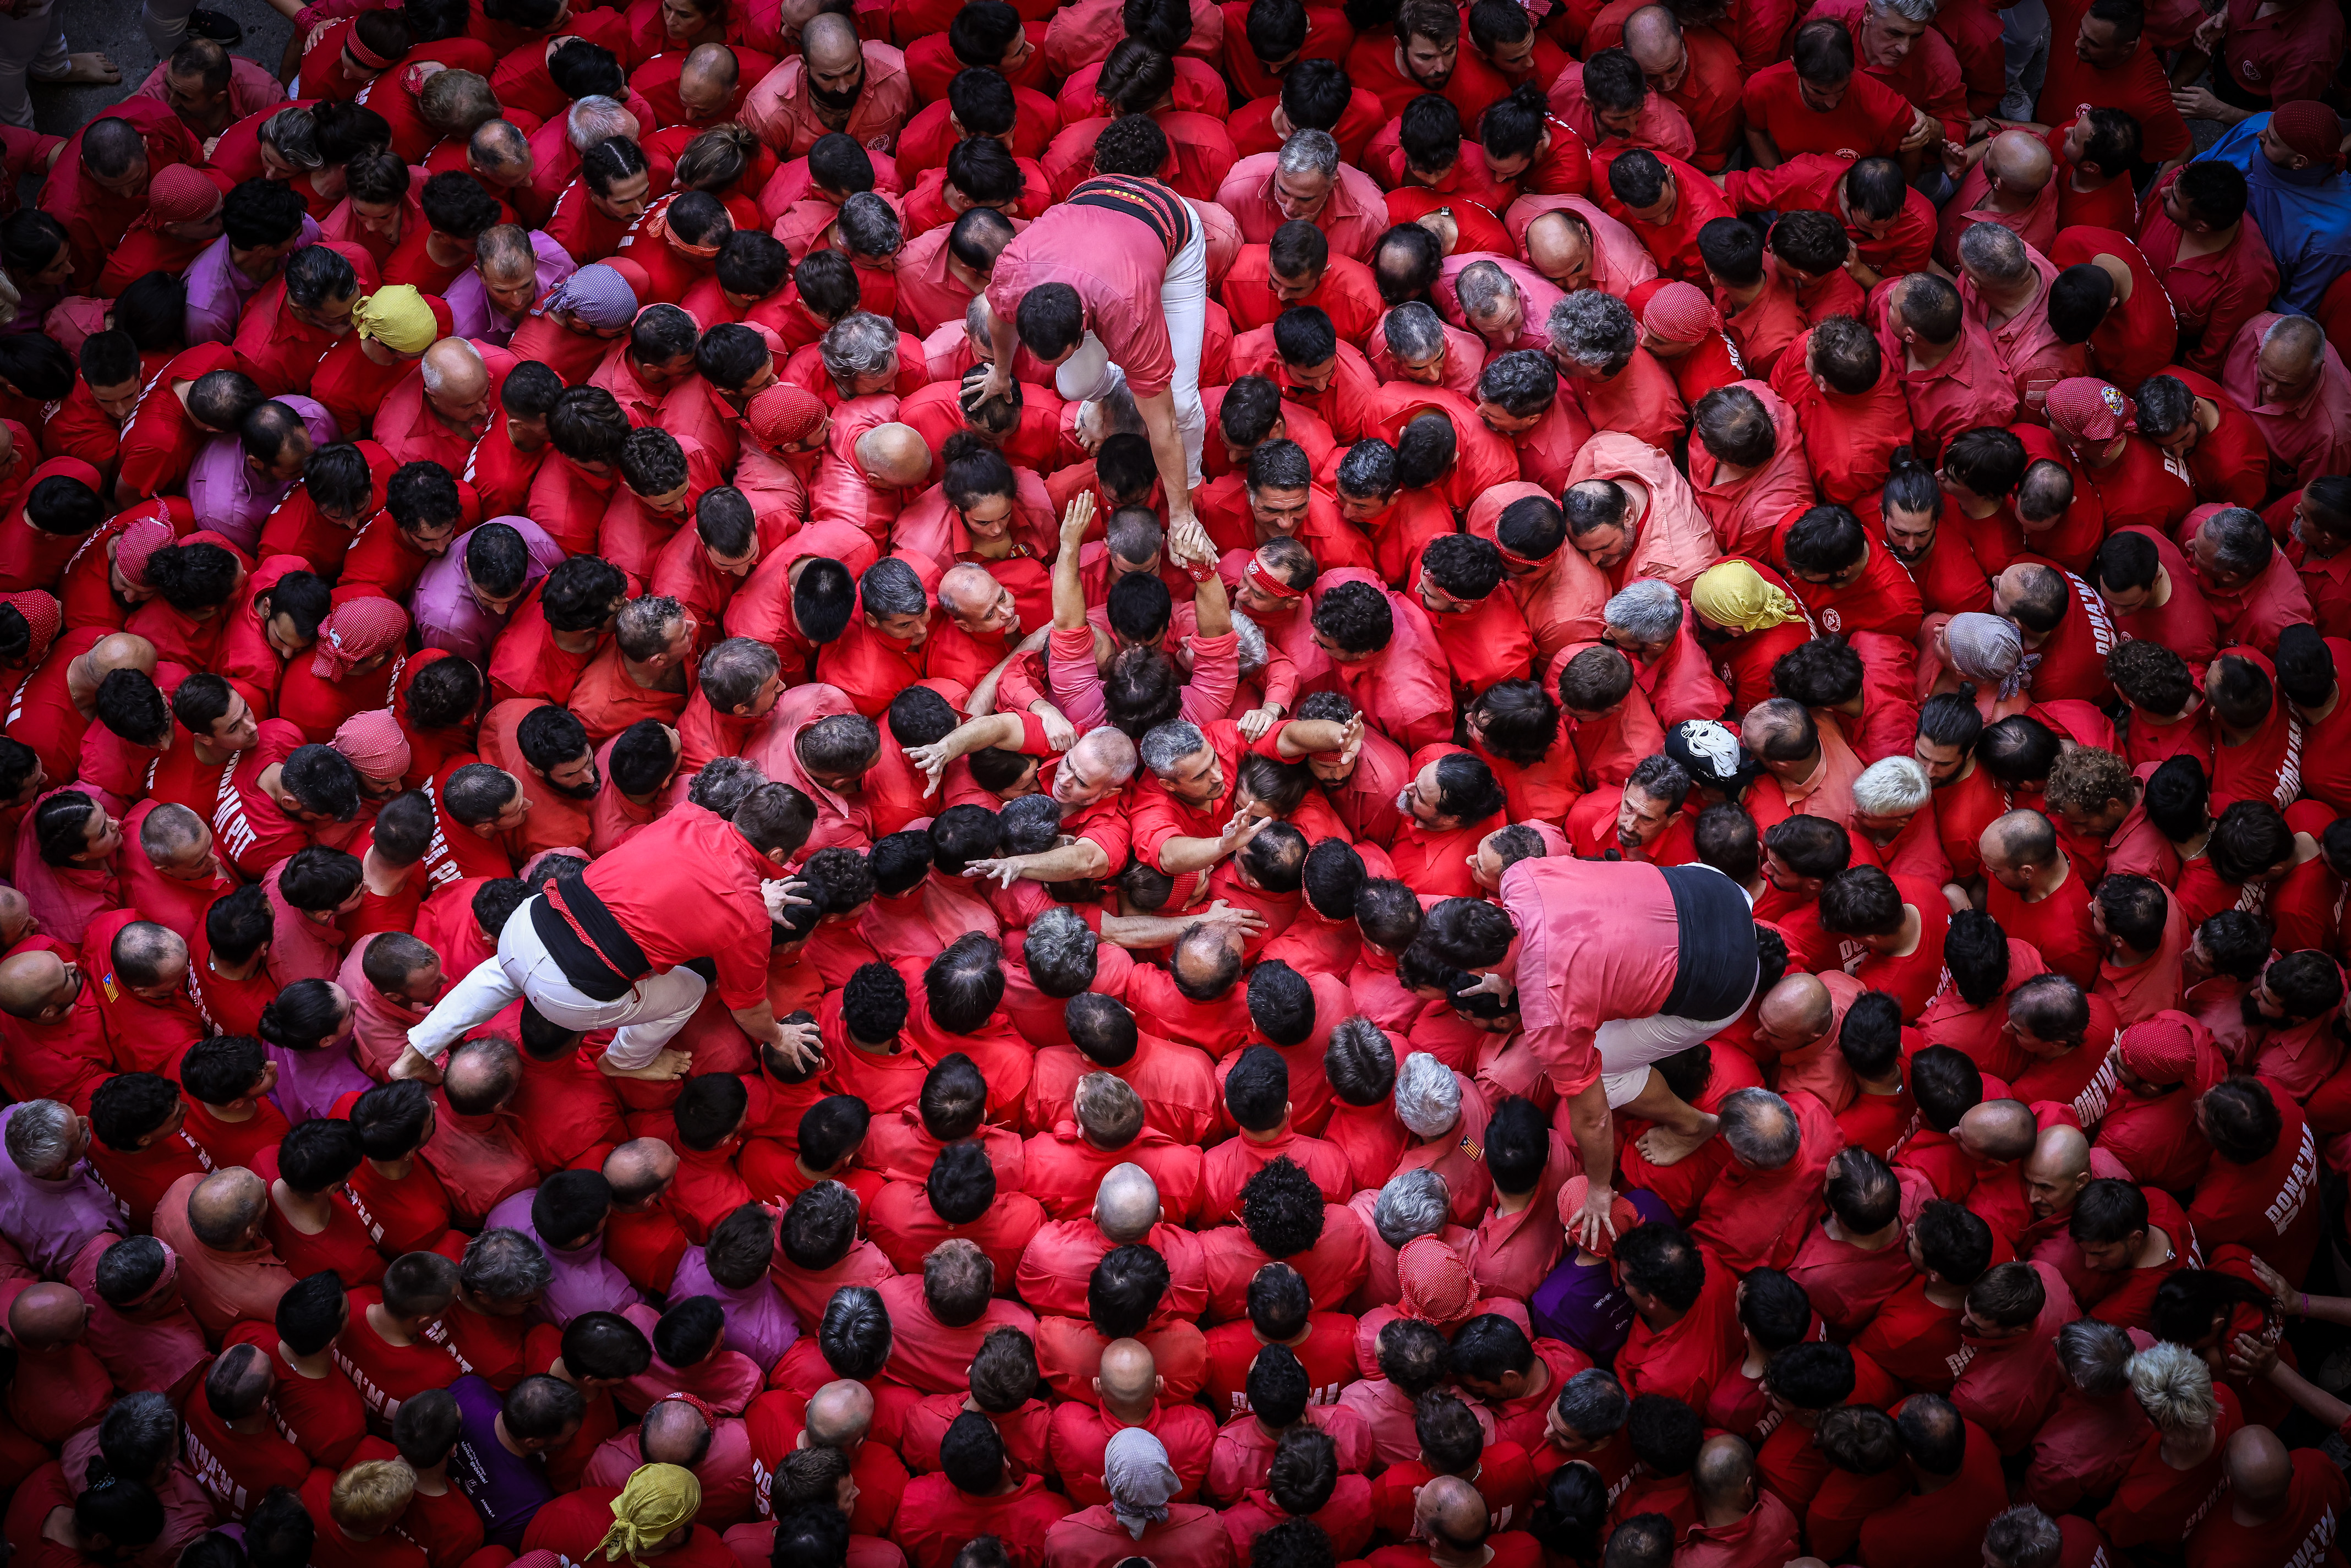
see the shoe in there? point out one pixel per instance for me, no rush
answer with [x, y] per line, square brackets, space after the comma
[222, 29]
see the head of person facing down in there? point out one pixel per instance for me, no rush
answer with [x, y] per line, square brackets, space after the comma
[1177, 914]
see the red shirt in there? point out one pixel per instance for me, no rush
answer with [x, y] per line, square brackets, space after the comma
[935, 1519]
[2213, 295]
[1942, 1529]
[2306, 1529]
[1870, 121]
[386, 1374]
[323, 1416]
[1688, 1358]
[2137, 86]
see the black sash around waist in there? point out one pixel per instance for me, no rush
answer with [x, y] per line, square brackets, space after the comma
[1716, 971]
[1146, 200]
[606, 965]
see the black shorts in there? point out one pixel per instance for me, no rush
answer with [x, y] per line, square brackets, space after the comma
[1714, 971]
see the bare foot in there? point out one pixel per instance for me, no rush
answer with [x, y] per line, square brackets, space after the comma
[1664, 1146]
[90, 69]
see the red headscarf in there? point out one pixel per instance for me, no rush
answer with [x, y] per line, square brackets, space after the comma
[356, 631]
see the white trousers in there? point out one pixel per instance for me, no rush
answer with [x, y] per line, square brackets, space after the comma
[166, 22]
[1183, 301]
[1627, 1047]
[648, 1018]
[36, 43]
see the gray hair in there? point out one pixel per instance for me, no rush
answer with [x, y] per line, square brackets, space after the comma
[1309, 153]
[2096, 1356]
[1482, 288]
[1060, 939]
[293, 135]
[870, 225]
[2299, 331]
[40, 1134]
[1428, 1096]
[1414, 332]
[860, 344]
[597, 119]
[1994, 251]
[2240, 539]
[1920, 11]
[976, 319]
[1593, 1404]
[1594, 329]
[723, 786]
[1891, 786]
[2023, 1537]
[505, 1265]
[1761, 1129]
[1650, 609]
[2174, 1388]
[1250, 638]
[891, 588]
[1164, 746]
[1413, 1203]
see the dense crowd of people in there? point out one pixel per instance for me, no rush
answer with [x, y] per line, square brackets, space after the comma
[861, 783]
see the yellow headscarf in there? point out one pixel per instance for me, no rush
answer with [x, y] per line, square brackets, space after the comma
[657, 1499]
[1733, 594]
[397, 317]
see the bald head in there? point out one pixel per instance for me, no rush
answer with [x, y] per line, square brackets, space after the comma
[1557, 246]
[2020, 161]
[46, 1315]
[1112, 750]
[1126, 1205]
[1726, 1467]
[709, 74]
[1798, 1008]
[481, 1076]
[174, 837]
[2021, 838]
[1448, 1511]
[120, 651]
[226, 1208]
[890, 453]
[453, 372]
[2060, 1155]
[34, 984]
[1653, 36]
[2260, 1468]
[498, 148]
[674, 1433]
[966, 590]
[1204, 953]
[639, 1169]
[1128, 1373]
[15, 917]
[830, 43]
[1999, 1131]
[839, 1415]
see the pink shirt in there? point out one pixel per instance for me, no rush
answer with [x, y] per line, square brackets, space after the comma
[781, 111]
[1116, 258]
[1352, 219]
[2310, 437]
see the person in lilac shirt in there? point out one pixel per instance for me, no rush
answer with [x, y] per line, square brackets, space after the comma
[565, 1215]
[262, 223]
[51, 1206]
[464, 598]
[513, 270]
[307, 1030]
[732, 1270]
[1579, 1304]
[235, 491]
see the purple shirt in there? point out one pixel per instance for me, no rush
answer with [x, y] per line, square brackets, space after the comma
[230, 497]
[1581, 1305]
[444, 608]
[51, 1220]
[310, 1081]
[582, 1280]
[505, 1488]
[759, 1322]
[471, 312]
[218, 290]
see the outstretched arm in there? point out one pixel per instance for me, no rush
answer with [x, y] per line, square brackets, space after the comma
[1068, 588]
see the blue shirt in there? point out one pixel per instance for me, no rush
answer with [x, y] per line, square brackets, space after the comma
[505, 1488]
[1579, 1304]
[2304, 216]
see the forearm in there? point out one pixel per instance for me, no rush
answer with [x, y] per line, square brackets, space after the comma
[1595, 1132]
[758, 1022]
[1142, 931]
[1178, 856]
[1302, 737]
[1212, 612]
[2309, 1396]
[1078, 861]
[998, 729]
[1158, 412]
[1069, 588]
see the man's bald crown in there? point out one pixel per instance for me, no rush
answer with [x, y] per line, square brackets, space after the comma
[893, 454]
[2061, 1153]
[47, 1315]
[1128, 1370]
[838, 1412]
[1126, 1205]
[28, 981]
[1725, 1466]
[2000, 1130]
[1800, 1004]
